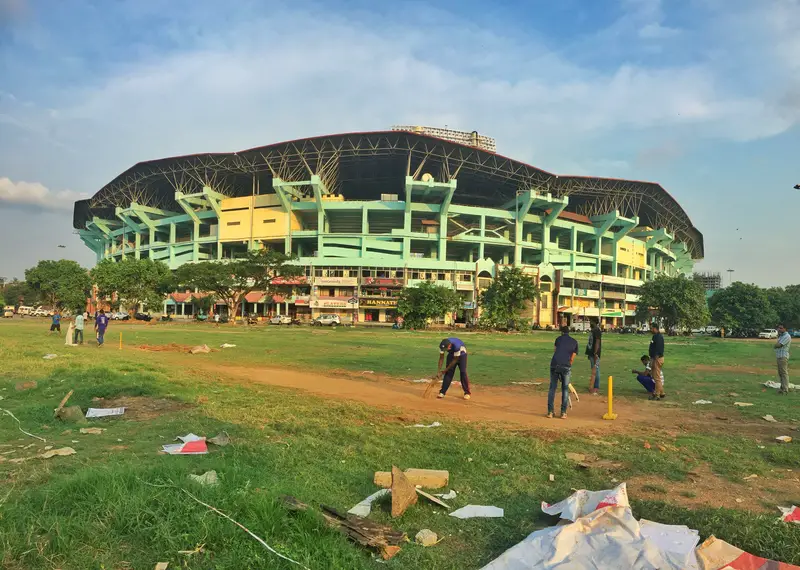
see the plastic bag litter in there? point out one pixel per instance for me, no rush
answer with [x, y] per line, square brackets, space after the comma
[226, 345]
[703, 402]
[104, 412]
[769, 418]
[447, 496]
[777, 385]
[478, 511]
[50, 356]
[433, 425]
[209, 478]
[583, 502]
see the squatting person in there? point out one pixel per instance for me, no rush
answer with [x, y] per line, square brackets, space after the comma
[456, 356]
[564, 353]
[657, 362]
[645, 377]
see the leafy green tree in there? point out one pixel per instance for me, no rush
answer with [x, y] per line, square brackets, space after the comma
[502, 302]
[742, 307]
[60, 284]
[231, 281]
[425, 302]
[133, 282]
[203, 304]
[786, 303]
[674, 302]
[18, 292]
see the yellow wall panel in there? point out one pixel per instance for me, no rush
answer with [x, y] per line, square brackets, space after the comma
[259, 217]
[631, 252]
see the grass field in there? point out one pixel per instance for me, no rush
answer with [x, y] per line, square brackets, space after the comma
[99, 508]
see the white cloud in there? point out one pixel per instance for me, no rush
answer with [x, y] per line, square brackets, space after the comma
[656, 31]
[36, 195]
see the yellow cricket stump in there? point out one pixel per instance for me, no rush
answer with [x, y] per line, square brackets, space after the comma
[120, 341]
[610, 415]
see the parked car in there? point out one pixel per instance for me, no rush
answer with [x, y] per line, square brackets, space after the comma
[120, 316]
[768, 333]
[280, 320]
[142, 317]
[795, 333]
[8, 312]
[328, 320]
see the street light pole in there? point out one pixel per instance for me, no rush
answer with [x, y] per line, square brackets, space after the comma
[730, 276]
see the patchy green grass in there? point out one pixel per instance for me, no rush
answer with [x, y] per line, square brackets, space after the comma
[95, 509]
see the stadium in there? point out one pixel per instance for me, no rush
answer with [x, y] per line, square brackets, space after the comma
[367, 214]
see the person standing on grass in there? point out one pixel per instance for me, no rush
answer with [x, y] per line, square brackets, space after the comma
[80, 322]
[657, 362]
[100, 326]
[564, 353]
[456, 356]
[594, 347]
[782, 346]
[56, 324]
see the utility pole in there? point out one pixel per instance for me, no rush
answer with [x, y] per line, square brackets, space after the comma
[730, 276]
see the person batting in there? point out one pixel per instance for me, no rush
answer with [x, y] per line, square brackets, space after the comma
[456, 356]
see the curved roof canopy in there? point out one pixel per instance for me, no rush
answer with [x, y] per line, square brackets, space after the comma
[361, 166]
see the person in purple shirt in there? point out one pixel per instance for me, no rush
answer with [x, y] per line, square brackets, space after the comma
[456, 356]
[100, 325]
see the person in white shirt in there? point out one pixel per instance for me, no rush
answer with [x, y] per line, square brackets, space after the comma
[782, 346]
[80, 322]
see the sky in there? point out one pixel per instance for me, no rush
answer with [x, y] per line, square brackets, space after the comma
[702, 96]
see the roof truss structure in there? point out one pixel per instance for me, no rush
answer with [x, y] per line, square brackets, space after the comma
[343, 163]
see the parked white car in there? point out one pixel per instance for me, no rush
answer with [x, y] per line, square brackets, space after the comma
[280, 320]
[328, 320]
[120, 316]
[768, 333]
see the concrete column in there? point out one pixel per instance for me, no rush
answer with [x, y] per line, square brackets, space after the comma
[481, 252]
[172, 245]
[573, 246]
[137, 245]
[195, 244]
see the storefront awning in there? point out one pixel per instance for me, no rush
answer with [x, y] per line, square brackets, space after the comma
[567, 309]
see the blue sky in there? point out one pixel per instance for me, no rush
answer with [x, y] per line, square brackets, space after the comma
[702, 96]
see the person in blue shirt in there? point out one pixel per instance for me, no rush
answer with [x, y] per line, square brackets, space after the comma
[100, 326]
[456, 356]
[56, 325]
[564, 353]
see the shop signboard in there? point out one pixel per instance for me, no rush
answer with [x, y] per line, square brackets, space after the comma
[343, 281]
[333, 304]
[381, 303]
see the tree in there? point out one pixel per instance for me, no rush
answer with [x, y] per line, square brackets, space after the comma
[203, 304]
[502, 302]
[18, 292]
[742, 307]
[674, 302]
[133, 282]
[60, 284]
[786, 303]
[231, 281]
[425, 302]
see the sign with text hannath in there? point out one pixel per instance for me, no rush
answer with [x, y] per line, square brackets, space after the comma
[382, 302]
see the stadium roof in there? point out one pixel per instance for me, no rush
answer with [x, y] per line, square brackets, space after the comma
[361, 166]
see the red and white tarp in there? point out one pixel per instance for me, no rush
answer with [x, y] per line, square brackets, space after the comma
[792, 514]
[583, 502]
[716, 554]
[191, 444]
[606, 538]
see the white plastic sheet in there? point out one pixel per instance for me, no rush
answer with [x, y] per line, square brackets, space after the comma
[583, 502]
[478, 511]
[363, 508]
[606, 538]
[104, 412]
